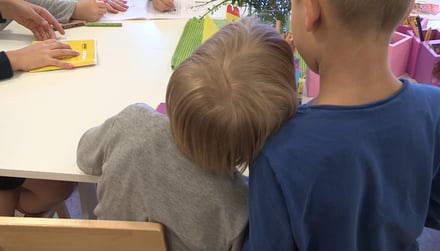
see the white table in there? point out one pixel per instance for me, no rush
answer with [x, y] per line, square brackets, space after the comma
[43, 115]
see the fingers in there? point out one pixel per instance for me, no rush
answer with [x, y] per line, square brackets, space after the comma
[170, 4]
[116, 6]
[54, 44]
[47, 21]
[59, 51]
[164, 5]
[111, 9]
[62, 64]
[39, 33]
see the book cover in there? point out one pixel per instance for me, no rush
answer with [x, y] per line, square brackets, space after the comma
[87, 56]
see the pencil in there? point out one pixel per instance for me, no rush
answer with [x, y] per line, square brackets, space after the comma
[99, 24]
[428, 34]
[419, 27]
[73, 24]
[414, 28]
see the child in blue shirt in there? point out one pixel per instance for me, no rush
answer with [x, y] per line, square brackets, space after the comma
[358, 168]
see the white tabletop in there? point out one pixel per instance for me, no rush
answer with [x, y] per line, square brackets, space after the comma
[43, 115]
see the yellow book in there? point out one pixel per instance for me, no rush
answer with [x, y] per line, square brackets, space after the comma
[87, 55]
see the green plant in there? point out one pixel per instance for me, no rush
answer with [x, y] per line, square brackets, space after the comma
[269, 11]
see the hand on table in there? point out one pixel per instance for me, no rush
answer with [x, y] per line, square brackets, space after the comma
[41, 54]
[164, 5]
[115, 6]
[89, 10]
[33, 17]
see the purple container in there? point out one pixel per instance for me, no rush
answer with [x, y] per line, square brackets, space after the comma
[427, 69]
[398, 53]
[415, 48]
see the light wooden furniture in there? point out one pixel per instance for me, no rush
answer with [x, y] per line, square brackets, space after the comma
[44, 234]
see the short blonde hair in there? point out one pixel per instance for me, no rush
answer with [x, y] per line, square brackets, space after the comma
[234, 91]
[382, 15]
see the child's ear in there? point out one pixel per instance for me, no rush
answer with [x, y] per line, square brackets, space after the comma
[313, 14]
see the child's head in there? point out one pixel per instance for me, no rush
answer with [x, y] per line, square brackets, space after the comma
[314, 22]
[358, 15]
[233, 92]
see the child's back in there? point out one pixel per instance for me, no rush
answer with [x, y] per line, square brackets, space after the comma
[144, 177]
[222, 104]
[357, 169]
[352, 178]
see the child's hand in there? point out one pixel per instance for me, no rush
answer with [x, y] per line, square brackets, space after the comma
[89, 10]
[115, 6]
[41, 54]
[164, 5]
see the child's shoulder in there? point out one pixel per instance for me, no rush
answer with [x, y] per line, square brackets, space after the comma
[425, 92]
[140, 119]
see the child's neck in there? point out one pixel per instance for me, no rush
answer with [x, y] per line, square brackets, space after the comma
[355, 73]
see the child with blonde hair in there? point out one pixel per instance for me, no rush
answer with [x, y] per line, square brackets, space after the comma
[180, 170]
[357, 168]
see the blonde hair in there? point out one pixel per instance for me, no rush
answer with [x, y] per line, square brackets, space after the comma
[232, 92]
[382, 15]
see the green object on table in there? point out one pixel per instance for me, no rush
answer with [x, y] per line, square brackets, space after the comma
[100, 24]
[190, 39]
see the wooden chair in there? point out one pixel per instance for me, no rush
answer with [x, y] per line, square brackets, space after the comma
[53, 234]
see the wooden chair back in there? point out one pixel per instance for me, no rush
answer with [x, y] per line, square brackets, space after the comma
[54, 234]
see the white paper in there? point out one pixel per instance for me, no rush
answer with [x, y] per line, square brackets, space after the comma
[143, 9]
[427, 8]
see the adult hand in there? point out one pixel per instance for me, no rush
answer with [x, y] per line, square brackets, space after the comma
[115, 6]
[33, 17]
[41, 54]
[164, 5]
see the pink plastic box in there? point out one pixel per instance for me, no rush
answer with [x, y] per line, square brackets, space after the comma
[398, 53]
[398, 56]
[428, 65]
[415, 48]
[312, 83]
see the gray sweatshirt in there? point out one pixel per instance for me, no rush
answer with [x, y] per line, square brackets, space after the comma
[62, 10]
[144, 177]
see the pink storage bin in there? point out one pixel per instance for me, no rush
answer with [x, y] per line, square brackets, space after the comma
[428, 65]
[398, 53]
[415, 48]
[312, 83]
[405, 28]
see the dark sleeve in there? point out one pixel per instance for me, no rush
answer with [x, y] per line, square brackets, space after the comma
[9, 183]
[5, 66]
[269, 224]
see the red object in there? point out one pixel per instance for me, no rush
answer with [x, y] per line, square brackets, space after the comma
[233, 10]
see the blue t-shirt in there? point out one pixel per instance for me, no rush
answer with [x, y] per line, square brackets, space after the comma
[350, 178]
